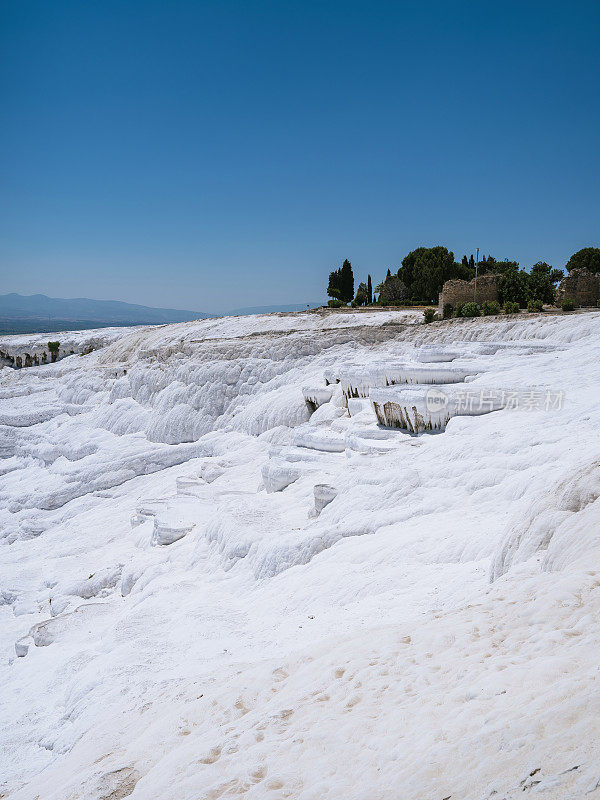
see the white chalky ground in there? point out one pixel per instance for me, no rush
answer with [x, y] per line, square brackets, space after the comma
[183, 615]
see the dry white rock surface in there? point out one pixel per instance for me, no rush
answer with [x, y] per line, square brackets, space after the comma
[183, 616]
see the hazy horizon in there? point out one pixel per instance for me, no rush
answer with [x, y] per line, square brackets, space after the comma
[111, 300]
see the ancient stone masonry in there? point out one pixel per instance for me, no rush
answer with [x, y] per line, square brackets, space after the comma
[458, 291]
[581, 286]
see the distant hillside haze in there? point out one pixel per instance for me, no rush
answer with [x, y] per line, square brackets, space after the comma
[38, 313]
[24, 314]
[38, 305]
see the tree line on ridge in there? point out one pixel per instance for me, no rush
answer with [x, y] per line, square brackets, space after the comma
[425, 270]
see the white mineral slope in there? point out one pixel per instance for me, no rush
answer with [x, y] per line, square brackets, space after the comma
[70, 342]
[165, 336]
[178, 621]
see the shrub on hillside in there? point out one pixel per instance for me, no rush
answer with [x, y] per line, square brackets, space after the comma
[490, 308]
[511, 308]
[429, 315]
[448, 310]
[335, 303]
[458, 309]
[534, 306]
[470, 310]
[568, 304]
[54, 348]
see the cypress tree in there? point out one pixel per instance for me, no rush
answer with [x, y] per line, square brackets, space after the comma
[362, 297]
[346, 282]
[333, 289]
[369, 290]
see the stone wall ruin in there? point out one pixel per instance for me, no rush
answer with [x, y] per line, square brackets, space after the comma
[459, 291]
[581, 286]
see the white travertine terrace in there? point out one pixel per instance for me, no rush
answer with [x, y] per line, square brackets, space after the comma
[430, 408]
[358, 382]
[208, 589]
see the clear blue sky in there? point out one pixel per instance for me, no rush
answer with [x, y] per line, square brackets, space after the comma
[209, 155]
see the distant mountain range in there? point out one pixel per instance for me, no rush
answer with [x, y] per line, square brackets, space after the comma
[38, 313]
[29, 314]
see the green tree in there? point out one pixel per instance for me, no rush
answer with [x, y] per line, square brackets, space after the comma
[463, 272]
[392, 291]
[505, 266]
[587, 258]
[54, 348]
[362, 295]
[346, 281]
[542, 282]
[333, 288]
[341, 283]
[513, 286]
[425, 270]
[369, 290]
[486, 265]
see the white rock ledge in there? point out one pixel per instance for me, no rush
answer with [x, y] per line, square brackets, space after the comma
[429, 408]
[316, 396]
[324, 494]
[432, 354]
[169, 529]
[358, 383]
